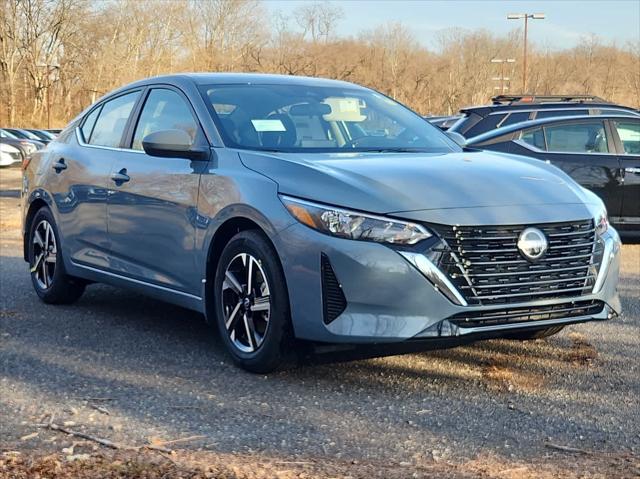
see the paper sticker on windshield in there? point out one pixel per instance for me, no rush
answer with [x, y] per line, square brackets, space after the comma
[268, 125]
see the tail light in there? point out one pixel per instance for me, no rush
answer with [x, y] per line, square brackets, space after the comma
[26, 159]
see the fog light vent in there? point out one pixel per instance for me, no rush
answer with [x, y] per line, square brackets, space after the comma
[333, 300]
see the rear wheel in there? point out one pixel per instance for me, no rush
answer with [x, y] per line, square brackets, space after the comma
[252, 304]
[50, 280]
[536, 334]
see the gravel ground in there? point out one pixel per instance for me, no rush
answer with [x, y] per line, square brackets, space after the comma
[126, 368]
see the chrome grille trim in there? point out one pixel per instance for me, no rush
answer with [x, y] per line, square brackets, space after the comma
[486, 266]
[519, 315]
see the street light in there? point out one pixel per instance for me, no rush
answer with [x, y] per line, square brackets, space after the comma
[526, 16]
[502, 78]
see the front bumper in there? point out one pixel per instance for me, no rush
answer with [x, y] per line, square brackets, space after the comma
[389, 300]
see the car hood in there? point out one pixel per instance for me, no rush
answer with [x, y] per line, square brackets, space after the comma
[407, 182]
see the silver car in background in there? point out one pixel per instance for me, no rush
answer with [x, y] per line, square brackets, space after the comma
[288, 208]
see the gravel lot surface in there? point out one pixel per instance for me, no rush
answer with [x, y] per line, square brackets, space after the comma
[122, 367]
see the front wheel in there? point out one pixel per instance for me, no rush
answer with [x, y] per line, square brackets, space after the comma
[252, 304]
[50, 280]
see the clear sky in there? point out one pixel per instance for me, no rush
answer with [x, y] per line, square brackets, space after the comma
[567, 20]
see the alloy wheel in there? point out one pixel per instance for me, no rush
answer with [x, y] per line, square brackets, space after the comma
[45, 250]
[246, 302]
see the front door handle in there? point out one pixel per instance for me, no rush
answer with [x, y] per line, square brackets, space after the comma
[632, 170]
[59, 165]
[120, 177]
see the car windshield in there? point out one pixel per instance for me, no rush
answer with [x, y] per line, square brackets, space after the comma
[43, 135]
[302, 118]
[6, 134]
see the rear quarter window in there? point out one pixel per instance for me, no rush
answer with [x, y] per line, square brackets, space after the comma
[534, 137]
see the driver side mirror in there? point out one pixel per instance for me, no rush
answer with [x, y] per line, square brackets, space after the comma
[172, 144]
[457, 137]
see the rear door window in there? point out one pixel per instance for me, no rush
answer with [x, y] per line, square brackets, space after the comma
[629, 133]
[555, 113]
[112, 120]
[516, 117]
[583, 137]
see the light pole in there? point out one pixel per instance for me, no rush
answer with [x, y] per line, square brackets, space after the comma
[502, 78]
[526, 16]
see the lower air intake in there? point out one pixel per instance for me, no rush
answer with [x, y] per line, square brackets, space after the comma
[333, 300]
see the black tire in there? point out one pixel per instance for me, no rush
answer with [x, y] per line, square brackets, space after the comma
[275, 343]
[59, 287]
[535, 334]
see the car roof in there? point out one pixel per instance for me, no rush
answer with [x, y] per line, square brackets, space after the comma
[541, 122]
[484, 110]
[237, 79]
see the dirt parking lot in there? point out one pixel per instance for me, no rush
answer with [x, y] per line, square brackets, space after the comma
[119, 367]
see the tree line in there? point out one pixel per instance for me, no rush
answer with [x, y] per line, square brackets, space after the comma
[59, 56]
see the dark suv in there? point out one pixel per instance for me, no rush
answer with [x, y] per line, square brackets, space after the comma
[509, 109]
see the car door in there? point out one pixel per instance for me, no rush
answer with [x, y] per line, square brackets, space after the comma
[626, 134]
[152, 200]
[78, 179]
[584, 150]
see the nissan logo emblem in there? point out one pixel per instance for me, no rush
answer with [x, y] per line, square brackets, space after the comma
[532, 244]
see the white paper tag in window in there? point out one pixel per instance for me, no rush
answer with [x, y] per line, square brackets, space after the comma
[268, 125]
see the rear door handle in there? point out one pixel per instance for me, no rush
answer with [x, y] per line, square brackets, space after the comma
[59, 165]
[632, 170]
[120, 177]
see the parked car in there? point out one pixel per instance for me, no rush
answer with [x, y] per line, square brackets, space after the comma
[443, 122]
[601, 153]
[24, 134]
[54, 131]
[44, 135]
[9, 155]
[288, 208]
[510, 109]
[26, 147]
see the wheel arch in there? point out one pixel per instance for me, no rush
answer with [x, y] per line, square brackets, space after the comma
[34, 206]
[223, 234]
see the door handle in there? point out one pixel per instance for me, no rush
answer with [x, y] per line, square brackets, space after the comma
[59, 165]
[632, 170]
[120, 177]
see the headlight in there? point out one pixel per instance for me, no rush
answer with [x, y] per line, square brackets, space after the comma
[353, 225]
[8, 148]
[600, 218]
[602, 222]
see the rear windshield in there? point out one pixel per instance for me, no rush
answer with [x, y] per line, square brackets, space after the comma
[301, 118]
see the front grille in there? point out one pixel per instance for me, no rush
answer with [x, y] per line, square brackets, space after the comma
[522, 315]
[334, 302]
[484, 262]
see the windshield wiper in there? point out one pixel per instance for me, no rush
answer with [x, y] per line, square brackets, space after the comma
[391, 150]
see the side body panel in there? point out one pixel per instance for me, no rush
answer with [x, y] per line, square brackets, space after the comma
[152, 220]
[79, 193]
[596, 172]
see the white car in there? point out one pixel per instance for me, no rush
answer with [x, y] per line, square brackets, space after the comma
[9, 155]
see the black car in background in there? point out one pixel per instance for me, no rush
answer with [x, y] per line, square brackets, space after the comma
[511, 109]
[443, 122]
[601, 153]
